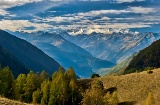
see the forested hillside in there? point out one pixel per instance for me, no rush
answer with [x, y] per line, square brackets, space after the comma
[149, 57]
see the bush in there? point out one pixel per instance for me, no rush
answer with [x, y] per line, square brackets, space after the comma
[95, 75]
[149, 71]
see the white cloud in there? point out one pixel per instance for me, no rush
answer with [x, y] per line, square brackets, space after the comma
[12, 3]
[123, 1]
[20, 25]
[141, 10]
[3, 12]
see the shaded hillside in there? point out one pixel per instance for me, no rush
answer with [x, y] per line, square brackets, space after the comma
[28, 54]
[8, 59]
[149, 57]
[132, 87]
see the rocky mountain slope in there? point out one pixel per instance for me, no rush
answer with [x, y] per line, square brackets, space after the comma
[115, 47]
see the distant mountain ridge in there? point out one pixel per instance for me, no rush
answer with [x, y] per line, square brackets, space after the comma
[32, 57]
[83, 52]
[66, 53]
[115, 47]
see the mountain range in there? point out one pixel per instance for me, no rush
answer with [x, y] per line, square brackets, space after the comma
[89, 54]
[65, 52]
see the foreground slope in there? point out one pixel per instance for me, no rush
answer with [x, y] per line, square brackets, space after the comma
[28, 54]
[133, 87]
[5, 101]
[148, 57]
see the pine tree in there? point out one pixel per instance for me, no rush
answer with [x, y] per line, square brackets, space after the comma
[7, 82]
[44, 76]
[36, 96]
[45, 88]
[30, 86]
[20, 85]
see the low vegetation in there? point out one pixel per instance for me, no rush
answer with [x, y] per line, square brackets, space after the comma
[139, 88]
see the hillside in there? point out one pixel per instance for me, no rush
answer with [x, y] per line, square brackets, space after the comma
[133, 87]
[5, 101]
[29, 55]
[148, 57]
[8, 59]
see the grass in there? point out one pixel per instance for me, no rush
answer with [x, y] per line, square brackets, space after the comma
[134, 87]
[5, 101]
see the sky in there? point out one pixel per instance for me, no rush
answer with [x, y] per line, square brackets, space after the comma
[80, 16]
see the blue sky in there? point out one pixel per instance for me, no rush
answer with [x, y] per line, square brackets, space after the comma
[80, 17]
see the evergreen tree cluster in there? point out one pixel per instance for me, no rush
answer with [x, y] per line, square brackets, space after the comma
[61, 89]
[37, 88]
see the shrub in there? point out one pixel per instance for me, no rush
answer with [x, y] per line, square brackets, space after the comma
[95, 75]
[149, 71]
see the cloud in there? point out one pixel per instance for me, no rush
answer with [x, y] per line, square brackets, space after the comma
[129, 1]
[21, 25]
[3, 12]
[141, 10]
[12, 3]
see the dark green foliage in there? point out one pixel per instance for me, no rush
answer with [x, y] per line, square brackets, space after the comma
[36, 96]
[149, 57]
[95, 75]
[7, 83]
[39, 89]
[45, 89]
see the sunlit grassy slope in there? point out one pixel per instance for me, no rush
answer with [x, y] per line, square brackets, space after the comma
[134, 87]
[5, 101]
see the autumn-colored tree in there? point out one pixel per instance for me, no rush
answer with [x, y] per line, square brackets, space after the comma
[20, 85]
[44, 76]
[58, 90]
[45, 88]
[36, 96]
[150, 99]
[94, 95]
[30, 86]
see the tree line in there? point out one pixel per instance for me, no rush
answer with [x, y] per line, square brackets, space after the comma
[61, 89]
